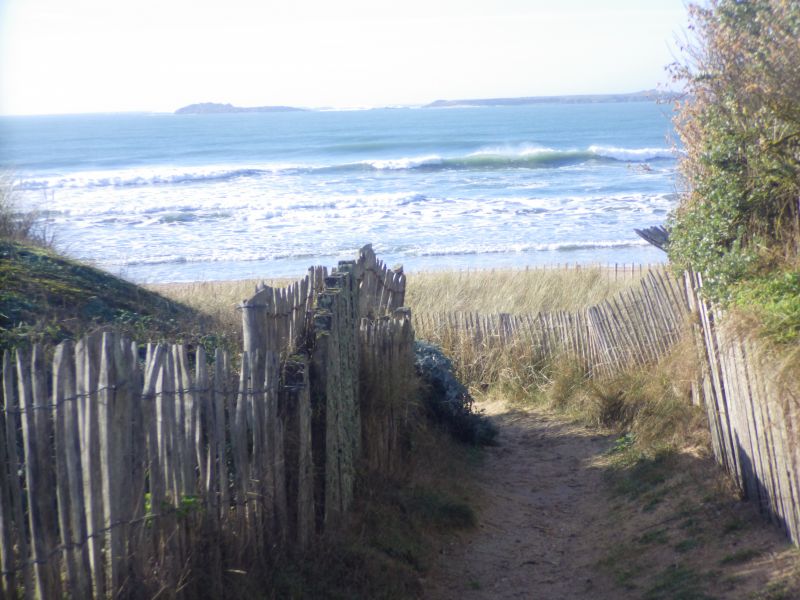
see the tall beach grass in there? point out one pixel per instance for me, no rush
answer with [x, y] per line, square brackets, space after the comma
[518, 291]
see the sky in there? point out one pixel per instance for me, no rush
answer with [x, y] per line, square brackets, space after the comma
[83, 56]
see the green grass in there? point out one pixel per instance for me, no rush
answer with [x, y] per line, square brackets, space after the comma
[47, 298]
[679, 582]
[739, 557]
[656, 536]
[774, 298]
[687, 545]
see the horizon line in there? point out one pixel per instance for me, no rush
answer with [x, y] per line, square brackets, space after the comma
[348, 108]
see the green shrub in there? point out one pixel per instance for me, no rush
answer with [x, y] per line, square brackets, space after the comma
[739, 124]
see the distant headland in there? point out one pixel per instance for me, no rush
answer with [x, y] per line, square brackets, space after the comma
[646, 95]
[213, 108]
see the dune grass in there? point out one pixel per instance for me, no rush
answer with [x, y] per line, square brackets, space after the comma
[217, 300]
[517, 291]
[652, 404]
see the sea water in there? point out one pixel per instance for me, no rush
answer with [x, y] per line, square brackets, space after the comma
[165, 197]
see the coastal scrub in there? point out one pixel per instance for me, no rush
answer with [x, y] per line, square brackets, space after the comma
[738, 221]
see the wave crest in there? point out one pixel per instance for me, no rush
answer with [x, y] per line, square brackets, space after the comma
[526, 157]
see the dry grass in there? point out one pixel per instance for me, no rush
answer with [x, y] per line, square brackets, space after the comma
[217, 299]
[515, 368]
[516, 291]
[651, 404]
[512, 291]
[18, 224]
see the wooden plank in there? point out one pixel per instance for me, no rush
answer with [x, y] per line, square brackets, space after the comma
[773, 444]
[622, 342]
[43, 442]
[172, 432]
[629, 331]
[8, 474]
[129, 389]
[255, 402]
[203, 425]
[109, 461]
[13, 428]
[275, 435]
[87, 365]
[8, 560]
[33, 479]
[137, 414]
[792, 447]
[634, 306]
[738, 412]
[712, 352]
[298, 449]
[654, 318]
[220, 381]
[213, 436]
[152, 422]
[783, 437]
[762, 434]
[239, 447]
[189, 414]
[737, 430]
[764, 478]
[67, 480]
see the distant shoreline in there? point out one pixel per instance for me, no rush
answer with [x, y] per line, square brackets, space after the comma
[643, 96]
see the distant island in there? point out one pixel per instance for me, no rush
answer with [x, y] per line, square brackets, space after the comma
[647, 95]
[215, 108]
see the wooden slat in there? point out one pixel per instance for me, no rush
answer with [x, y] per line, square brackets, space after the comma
[15, 539]
[220, 444]
[8, 560]
[239, 446]
[109, 461]
[68, 478]
[33, 478]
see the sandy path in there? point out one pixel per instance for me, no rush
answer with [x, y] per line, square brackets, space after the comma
[538, 528]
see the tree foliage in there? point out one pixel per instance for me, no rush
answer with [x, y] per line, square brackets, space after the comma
[739, 124]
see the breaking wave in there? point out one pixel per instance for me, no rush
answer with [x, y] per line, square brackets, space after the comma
[481, 160]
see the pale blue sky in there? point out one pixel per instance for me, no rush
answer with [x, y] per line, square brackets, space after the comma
[157, 55]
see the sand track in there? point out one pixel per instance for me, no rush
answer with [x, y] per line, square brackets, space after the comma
[550, 527]
[541, 499]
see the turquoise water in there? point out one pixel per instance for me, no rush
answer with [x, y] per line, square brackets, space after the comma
[161, 197]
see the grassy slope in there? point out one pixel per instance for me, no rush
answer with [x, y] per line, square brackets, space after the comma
[47, 298]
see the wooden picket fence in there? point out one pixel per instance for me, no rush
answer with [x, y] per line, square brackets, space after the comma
[636, 327]
[130, 471]
[752, 414]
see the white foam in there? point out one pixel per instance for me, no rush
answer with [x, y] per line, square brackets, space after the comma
[521, 247]
[395, 164]
[150, 176]
[515, 151]
[632, 154]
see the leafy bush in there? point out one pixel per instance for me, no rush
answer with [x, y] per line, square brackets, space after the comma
[740, 127]
[446, 399]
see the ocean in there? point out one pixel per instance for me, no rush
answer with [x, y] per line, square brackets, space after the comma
[166, 197]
